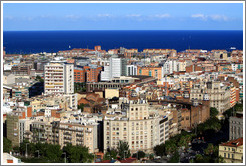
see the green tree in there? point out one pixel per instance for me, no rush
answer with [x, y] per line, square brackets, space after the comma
[160, 149]
[110, 154]
[81, 106]
[26, 145]
[38, 78]
[170, 147]
[213, 112]
[219, 160]
[7, 145]
[210, 149]
[184, 141]
[175, 158]
[140, 154]
[123, 150]
[77, 154]
[53, 152]
[199, 158]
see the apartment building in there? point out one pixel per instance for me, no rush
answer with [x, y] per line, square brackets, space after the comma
[13, 128]
[172, 52]
[170, 66]
[233, 96]
[55, 131]
[133, 122]
[156, 72]
[232, 151]
[79, 75]
[220, 54]
[59, 78]
[217, 92]
[236, 126]
[115, 67]
[131, 70]
[21, 70]
[87, 74]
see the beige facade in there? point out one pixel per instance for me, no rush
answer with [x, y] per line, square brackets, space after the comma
[78, 134]
[13, 133]
[58, 78]
[140, 127]
[220, 54]
[63, 133]
[64, 101]
[9, 79]
[110, 93]
[217, 93]
[232, 151]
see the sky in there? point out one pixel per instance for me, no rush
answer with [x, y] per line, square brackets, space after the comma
[122, 16]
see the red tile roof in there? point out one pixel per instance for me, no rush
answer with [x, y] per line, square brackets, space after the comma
[128, 160]
[234, 143]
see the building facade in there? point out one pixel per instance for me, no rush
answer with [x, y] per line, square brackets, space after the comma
[232, 151]
[218, 94]
[137, 125]
[236, 126]
[59, 78]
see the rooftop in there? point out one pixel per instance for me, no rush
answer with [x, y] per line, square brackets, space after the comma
[234, 143]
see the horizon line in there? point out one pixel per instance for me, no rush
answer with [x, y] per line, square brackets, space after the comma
[132, 30]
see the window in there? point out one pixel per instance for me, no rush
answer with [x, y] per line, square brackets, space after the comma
[224, 155]
[232, 156]
[228, 155]
[150, 73]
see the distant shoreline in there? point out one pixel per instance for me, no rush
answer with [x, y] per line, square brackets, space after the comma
[27, 42]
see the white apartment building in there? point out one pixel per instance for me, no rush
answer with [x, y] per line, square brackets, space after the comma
[131, 70]
[58, 78]
[133, 122]
[115, 67]
[170, 66]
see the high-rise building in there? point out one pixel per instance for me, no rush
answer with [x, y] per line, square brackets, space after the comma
[13, 130]
[87, 74]
[131, 70]
[59, 78]
[115, 67]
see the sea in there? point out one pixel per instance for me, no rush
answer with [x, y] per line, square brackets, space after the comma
[26, 42]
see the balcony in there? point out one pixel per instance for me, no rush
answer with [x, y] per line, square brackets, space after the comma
[79, 140]
[67, 133]
[79, 135]
[88, 131]
[67, 138]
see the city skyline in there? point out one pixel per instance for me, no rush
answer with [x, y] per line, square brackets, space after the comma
[122, 16]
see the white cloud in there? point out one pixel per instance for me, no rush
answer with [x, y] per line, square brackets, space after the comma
[72, 16]
[219, 17]
[199, 16]
[215, 17]
[8, 17]
[162, 15]
[133, 15]
[104, 15]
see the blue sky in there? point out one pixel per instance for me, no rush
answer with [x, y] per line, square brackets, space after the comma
[122, 16]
